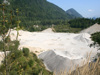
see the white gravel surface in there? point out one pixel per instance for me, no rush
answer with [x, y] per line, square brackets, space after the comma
[57, 50]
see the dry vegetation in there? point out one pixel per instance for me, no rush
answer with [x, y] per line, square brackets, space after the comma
[90, 68]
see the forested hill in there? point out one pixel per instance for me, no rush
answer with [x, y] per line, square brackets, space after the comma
[74, 13]
[37, 10]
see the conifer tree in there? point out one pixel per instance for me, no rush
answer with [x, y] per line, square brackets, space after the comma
[6, 23]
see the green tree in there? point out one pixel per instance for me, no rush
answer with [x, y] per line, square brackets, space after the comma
[26, 52]
[6, 22]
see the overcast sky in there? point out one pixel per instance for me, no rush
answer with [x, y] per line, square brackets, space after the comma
[87, 8]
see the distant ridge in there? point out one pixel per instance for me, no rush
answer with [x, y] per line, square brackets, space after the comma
[74, 13]
[33, 12]
[38, 10]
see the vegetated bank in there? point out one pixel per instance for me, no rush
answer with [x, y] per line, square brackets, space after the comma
[75, 25]
[22, 62]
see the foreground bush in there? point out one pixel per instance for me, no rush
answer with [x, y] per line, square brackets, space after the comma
[22, 62]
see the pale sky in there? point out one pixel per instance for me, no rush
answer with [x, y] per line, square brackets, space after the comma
[87, 8]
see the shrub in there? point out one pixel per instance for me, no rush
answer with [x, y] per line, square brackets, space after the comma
[26, 52]
[31, 62]
[18, 54]
[96, 37]
[13, 73]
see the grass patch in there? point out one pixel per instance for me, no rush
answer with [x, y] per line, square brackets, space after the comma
[66, 28]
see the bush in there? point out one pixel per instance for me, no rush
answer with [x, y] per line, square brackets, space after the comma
[26, 52]
[31, 62]
[13, 73]
[18, 54]
[96, 37]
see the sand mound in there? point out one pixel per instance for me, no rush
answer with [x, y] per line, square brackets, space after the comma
[84, 37]
[49, 30]
[93, 29]
[60, 61]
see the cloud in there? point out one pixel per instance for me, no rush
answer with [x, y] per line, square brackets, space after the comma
[90, 10]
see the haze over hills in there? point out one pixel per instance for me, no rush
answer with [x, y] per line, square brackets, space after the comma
[74, 13]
